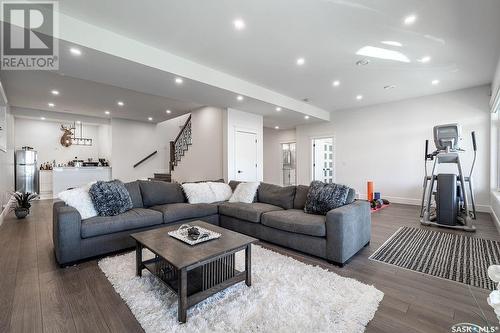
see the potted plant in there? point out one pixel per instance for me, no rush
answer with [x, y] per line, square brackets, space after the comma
[23, 203]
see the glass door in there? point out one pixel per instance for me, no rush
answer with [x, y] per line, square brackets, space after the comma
[288, 164]
[323, 160]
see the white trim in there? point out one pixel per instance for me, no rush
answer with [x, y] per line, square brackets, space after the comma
[417, 202]
[3, 95]
[6, 209]
[495, 219]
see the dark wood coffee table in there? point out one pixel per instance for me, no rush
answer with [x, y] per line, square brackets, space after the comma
[194, 272]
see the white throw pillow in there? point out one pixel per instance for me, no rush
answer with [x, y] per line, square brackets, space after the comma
[244, 192]
[222, 191]
[79, 199]
[198, 193]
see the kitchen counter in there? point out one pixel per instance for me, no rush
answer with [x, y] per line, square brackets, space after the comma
[64, 178]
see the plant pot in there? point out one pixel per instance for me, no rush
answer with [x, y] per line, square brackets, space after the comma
[21, 213]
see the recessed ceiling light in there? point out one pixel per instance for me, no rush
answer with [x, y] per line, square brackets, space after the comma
[410, 19]
[42, 118]
[51, 105]
[380, 53]
[306, 117]
[276, 127]
[435, 82]
[178, 80]
[75, 51]
[359, 97]
[168, 111]
[107, 112]
[391, 43]
[278, 109]
[239, 24]
[120, 103]
[55, 92]
[336, 83]
[239, 98]
[391, 86]
[150, 118]
[301, 61]
[424, 59]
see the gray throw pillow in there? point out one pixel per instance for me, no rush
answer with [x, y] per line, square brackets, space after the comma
[110, 198]
[323, 197]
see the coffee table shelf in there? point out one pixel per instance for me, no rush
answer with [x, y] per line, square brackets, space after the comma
[197, 272]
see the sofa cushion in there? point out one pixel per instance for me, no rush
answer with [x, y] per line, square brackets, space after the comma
[110, 198]
[233, 184]
[300, 197]
[156, 193]
[181, 211]
[323, 197]
[250, 212]
[295, 220]
[131, 219]
[245, 192]
[135, 194]
[276, 195]
[351, 196]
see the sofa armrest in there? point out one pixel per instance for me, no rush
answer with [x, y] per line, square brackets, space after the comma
[348, 229]
[66, 232]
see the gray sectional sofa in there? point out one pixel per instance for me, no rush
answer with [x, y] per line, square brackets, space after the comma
[276, 215]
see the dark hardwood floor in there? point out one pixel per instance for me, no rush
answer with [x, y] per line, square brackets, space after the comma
[36, 295]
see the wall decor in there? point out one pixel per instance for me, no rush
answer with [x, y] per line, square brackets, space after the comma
[66, 138]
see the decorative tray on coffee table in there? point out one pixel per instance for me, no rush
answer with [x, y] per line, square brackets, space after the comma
[182, 235]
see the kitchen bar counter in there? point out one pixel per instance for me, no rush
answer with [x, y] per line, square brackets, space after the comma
[69, 177]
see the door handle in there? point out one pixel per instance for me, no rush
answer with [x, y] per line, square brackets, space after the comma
[239, 171]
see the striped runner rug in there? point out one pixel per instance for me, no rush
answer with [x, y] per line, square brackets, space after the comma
[449, 256]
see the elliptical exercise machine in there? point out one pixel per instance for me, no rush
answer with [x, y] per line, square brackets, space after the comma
[448, 206]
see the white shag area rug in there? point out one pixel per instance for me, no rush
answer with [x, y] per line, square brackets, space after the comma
[286, 296]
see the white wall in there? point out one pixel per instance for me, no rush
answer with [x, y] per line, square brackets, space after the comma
[44, 136]
[272, 153]
[7, 165]
[104, 138]
[131, 141]
[385, 143]
[203, 160]
[234, 120]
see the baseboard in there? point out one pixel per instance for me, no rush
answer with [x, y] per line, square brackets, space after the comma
[418, 202]
[495, 219]
[6, 209]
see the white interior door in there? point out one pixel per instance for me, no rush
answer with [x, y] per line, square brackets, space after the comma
[323, 166]
[245, 156]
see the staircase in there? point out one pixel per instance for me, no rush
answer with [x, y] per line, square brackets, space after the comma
[180, 145]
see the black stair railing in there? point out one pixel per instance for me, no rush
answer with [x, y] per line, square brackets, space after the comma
[145, 158]
[181, 144]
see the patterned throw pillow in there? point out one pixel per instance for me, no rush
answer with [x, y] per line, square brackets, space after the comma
[110, 198]
[323, 197]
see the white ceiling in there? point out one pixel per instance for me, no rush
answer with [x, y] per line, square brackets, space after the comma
[461, 36]
[32, 89]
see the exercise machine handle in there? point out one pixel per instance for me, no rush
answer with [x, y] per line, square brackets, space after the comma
[426, 149]
[474, 140]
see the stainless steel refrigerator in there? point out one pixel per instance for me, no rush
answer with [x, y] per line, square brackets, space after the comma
[26, 172]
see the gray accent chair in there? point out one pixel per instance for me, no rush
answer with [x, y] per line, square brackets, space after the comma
[276, 216]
